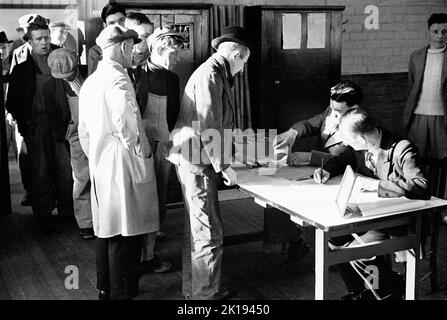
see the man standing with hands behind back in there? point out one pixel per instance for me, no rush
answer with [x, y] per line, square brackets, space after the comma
[425, 114]
[207, 106]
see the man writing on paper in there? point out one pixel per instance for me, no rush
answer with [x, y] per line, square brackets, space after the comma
[391, 167]
[345, 95]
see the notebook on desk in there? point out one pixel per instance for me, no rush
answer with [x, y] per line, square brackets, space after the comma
[351, 202]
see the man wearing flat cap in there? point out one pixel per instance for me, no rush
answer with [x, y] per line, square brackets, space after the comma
[63, 64]
[207, 108]
[124, 194]
[158, 96]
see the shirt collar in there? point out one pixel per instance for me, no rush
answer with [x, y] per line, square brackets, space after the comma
[436, 50]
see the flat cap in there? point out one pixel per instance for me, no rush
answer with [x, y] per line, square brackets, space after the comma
[62, 63]
[159, 33]
[59, 24]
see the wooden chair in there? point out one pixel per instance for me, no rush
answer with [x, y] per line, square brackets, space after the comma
[436, 172]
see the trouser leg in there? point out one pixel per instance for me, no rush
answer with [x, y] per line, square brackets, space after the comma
[132, 264]
[147, 252]
[102, 264]
[81, 185]
[205, 236]
[42, 188]
[24, 162]
[387, 278]
[63, 179]
[124, 258]
[162, 173]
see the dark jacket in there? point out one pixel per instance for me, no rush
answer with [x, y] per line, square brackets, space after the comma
[161, 82]
[21, 89]
[416, 70]
[315, 126]
[397, 167]
[207, 107]
[56, 107]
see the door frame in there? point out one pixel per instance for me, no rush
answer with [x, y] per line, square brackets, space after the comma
[201, 35]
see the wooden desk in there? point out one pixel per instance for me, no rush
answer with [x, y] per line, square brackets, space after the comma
[311, 204]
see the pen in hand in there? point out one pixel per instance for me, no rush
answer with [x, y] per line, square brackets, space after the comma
[319, 175]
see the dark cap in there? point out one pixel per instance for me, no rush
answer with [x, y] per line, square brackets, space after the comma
[62, 63]
[4, 38]
[233, 34]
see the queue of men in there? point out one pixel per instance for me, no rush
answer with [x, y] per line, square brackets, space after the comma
[102, 149]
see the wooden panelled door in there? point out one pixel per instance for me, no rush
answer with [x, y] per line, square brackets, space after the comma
[304, 66]
[194, 26]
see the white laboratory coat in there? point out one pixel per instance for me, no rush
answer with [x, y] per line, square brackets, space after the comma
[123, 191]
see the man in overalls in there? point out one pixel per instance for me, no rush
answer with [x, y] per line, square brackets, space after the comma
[42, 129]
[157, 91]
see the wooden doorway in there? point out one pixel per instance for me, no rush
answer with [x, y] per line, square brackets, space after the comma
[302, 67]
[296, 60]
[193, 23]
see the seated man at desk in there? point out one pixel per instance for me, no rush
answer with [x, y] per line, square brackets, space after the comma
[391, 167]
[344, 96]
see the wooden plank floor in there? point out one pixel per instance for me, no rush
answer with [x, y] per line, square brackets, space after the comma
[32, 266]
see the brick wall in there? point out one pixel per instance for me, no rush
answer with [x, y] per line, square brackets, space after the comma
[402, 29]
[385, 96]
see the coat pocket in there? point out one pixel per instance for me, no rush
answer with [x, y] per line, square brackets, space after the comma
[143, 169]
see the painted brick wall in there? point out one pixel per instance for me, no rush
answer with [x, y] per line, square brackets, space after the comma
[402, 29]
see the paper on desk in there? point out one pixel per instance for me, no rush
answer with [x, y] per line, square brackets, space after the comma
[369, 203]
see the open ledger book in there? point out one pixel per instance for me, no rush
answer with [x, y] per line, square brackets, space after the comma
[352, 202]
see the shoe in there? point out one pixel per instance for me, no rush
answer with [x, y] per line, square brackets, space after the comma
[103, 295]
[297, 250]
[364, 295]
[26, 202]
[86, 233]
[156, 265]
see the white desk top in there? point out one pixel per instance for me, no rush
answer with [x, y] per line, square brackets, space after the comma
[306, 200]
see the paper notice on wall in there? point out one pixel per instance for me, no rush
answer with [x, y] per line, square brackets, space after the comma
[316, 30]
[291, 31]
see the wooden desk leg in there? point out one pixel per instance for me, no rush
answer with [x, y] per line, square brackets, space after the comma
[413, 256]
[321, 266]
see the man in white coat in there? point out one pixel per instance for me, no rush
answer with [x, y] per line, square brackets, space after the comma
[124, 195]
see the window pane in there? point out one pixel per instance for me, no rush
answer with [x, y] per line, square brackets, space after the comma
[291, 31]
[316, 34]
